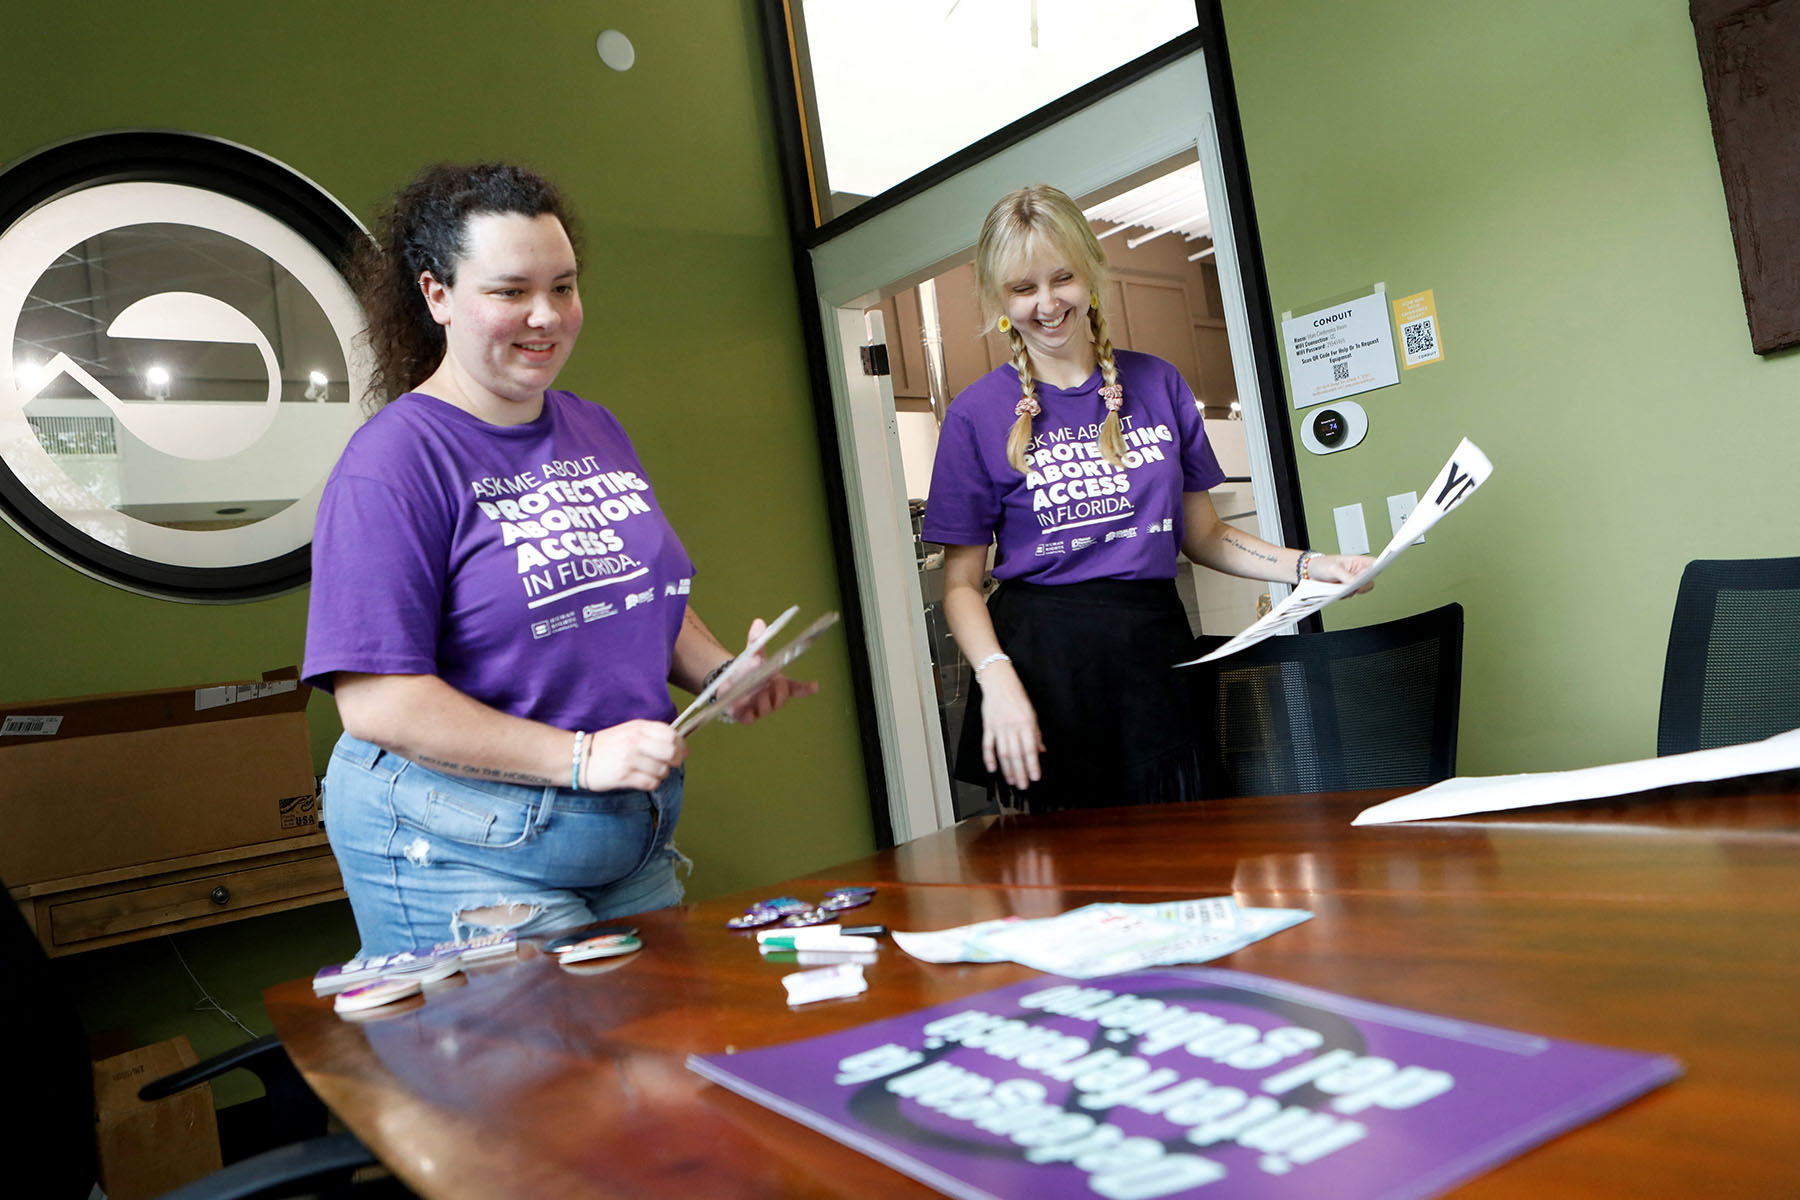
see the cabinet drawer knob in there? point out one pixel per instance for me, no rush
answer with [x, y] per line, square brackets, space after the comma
[221, 895]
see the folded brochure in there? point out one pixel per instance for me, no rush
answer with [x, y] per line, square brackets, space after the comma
[734, 687]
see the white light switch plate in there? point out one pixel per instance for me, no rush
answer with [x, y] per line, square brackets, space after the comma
[1399, 508]
[1352, 531]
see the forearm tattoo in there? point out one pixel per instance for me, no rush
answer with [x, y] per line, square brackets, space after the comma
[493, 773]
[1246, 548]
[691, 620]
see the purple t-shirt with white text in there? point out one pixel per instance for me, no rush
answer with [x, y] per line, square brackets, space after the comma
[1072, 516]
[528, 566]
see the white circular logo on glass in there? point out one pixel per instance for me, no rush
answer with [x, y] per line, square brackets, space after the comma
[184, 372]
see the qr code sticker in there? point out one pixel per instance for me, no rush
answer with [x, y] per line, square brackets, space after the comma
[1421, 339]
[1339, 371]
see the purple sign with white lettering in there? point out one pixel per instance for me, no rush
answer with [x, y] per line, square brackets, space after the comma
[1185, 1081]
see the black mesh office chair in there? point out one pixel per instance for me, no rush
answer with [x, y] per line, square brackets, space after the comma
[47, 1141]
[1326, 712]
[1732, 674]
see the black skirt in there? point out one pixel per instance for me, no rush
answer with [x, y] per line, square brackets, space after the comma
[1096, 659]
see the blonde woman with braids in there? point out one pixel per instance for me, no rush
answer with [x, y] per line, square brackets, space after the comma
[1088, 468]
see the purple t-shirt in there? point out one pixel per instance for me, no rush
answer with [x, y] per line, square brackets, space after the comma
[1072, 516]
[528, 566]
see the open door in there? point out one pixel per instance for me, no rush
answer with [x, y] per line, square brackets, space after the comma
[901, 279]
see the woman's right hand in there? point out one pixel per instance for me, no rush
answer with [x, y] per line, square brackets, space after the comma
[1010, 740]
[636, 754]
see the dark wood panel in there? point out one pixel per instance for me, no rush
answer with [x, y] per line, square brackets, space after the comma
[906, 346]
[1750, 64]
[968, 353]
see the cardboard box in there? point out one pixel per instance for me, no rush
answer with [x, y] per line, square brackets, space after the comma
[149, 1149]
[98, 783]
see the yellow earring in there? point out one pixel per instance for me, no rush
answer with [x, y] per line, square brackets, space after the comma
[1004, 325]
[1093, 299]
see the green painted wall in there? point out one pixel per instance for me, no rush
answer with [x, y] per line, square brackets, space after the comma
[692, 337]
[1548, 168]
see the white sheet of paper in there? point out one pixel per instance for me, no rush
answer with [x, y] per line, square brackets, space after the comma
[1103, 939]
[1467, 470]
[951, 945]
[1500, 793]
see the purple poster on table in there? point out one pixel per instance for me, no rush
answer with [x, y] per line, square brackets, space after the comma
[1185, 1081]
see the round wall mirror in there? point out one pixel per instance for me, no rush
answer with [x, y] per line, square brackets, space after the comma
[184, 368]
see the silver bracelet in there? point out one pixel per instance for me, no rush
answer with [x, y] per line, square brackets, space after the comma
[990, 660]
[575, 767]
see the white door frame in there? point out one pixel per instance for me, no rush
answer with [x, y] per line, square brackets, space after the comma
[1153, 119]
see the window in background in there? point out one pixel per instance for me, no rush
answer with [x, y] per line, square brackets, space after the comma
[891, 87]
[183, 374]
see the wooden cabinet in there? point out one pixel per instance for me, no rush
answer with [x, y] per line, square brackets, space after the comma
[131, 815]
[906, 346]
[112, 907]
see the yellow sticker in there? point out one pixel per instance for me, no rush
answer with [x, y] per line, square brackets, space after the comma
[1415, 316]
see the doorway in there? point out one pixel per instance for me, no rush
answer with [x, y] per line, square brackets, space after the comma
[902, 280]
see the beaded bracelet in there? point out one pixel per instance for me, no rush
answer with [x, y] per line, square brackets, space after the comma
[716, 672]
[990, 660]
[575, 765]
[1303, 566]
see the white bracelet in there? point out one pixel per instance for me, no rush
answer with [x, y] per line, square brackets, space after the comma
[990, 660]
[575, 767]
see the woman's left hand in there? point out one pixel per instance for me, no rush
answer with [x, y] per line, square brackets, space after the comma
[1340, 568]
[773, 694]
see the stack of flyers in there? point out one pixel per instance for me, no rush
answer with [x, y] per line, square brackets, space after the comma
[428, 961]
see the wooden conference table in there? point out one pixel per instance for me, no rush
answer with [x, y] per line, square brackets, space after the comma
[1667, 922]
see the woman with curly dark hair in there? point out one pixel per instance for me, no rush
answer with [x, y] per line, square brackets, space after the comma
[498, 602]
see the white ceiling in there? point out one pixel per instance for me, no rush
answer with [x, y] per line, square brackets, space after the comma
[1172, 205]
[903, 84]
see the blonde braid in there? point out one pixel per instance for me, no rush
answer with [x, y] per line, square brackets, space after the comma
[1112, 433]
[1020, 436]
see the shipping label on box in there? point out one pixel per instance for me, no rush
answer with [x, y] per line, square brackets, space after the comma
[300, 813]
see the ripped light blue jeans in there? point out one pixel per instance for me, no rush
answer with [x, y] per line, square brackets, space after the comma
[428, 857]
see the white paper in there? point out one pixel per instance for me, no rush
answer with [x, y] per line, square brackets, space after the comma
[1501, 793]
[952, 945]
[1104, 939]
[1467, 470]
[240, 693]
[1340, 351]
[28, 726]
